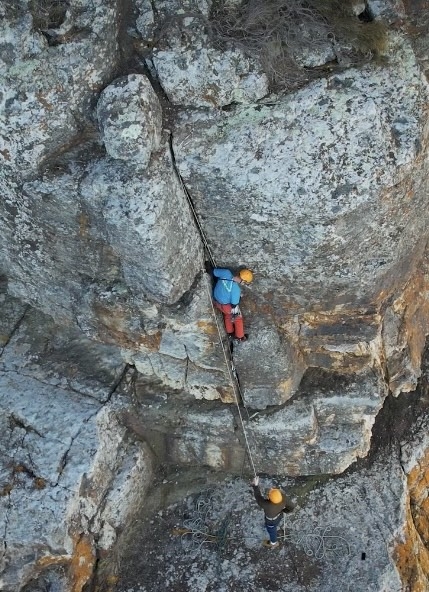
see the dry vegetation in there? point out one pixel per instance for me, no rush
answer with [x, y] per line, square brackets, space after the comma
[48, 14]
[276, 31]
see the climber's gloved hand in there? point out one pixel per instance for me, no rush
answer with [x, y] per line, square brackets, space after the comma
[255, 481]
[235, 310]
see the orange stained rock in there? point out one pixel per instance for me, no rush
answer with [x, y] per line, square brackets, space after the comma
[82, 562]
[207, 327]
[226, 394]
[416, 315]
[113, 329]
[412, 553]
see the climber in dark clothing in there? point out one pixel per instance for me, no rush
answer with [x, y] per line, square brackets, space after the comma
[274, 506]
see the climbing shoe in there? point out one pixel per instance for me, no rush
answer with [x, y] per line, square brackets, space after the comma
[240, 339]
[271, 545]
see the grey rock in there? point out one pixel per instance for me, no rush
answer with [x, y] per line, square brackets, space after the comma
[269, 368]
[130, 119]
[65, 359]
[68, 469]
[145, 22]
[286, 206]
[149, 225]
[44, 118]
[194, 73]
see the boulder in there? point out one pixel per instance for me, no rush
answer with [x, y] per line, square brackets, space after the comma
[130, 119]
[53, 67]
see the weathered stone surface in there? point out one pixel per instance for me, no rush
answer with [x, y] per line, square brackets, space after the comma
[194, 73]
[69, 475]
[324, 429]
[64, 359]
[411, 551]
[405, 329]
[50, 74]
[12, 312]
[188, 354]
[270, 369]
[145, 22]
[323, 192]
[342, 342]
[130, 119]
[316, 185]
[416, 24]
[149, 226]
[311, 54]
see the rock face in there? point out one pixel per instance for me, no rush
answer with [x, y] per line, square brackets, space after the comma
[344, 193]
[69, 475]
[321, 191]
[129, 141]
[130, 119]
[193, 73]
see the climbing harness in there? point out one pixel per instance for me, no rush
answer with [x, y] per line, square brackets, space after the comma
[238, 395]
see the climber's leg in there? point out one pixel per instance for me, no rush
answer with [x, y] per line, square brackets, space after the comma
[227, 317]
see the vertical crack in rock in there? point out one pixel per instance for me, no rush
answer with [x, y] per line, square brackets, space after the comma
[14, 329]
[118, 382]
[188, 197]
[188, 360]
[63, 460]
[5, 527]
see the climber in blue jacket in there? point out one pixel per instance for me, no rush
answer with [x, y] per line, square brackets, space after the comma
[226, 295]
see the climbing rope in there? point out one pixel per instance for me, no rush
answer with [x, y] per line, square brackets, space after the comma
[238, 395]
[198, 223]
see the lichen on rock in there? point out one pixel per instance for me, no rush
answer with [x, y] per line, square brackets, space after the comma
[130, 118]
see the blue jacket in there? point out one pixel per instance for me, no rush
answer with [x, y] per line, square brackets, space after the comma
[226, 290]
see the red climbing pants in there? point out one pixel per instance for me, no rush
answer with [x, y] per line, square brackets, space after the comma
[233, 323]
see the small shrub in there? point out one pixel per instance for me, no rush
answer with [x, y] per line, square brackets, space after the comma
[275, 31]
[48, 14]
[6, 489]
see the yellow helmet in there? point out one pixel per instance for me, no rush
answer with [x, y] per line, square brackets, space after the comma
[275, 496]
[246, 275]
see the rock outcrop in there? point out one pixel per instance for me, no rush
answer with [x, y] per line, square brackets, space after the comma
[70, 476]
[131, 138]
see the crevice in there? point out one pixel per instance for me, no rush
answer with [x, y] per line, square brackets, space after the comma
[190, 202]
[63, 460]
[5, 527]
[16, 422]
[74, 34]
[185, 381]
[366, 15]
[14, 329]
[68, 388]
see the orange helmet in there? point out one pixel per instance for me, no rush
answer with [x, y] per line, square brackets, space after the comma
[246, 275]
[275, 496]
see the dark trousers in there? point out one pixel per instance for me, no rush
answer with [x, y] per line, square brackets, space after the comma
[271, 526]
